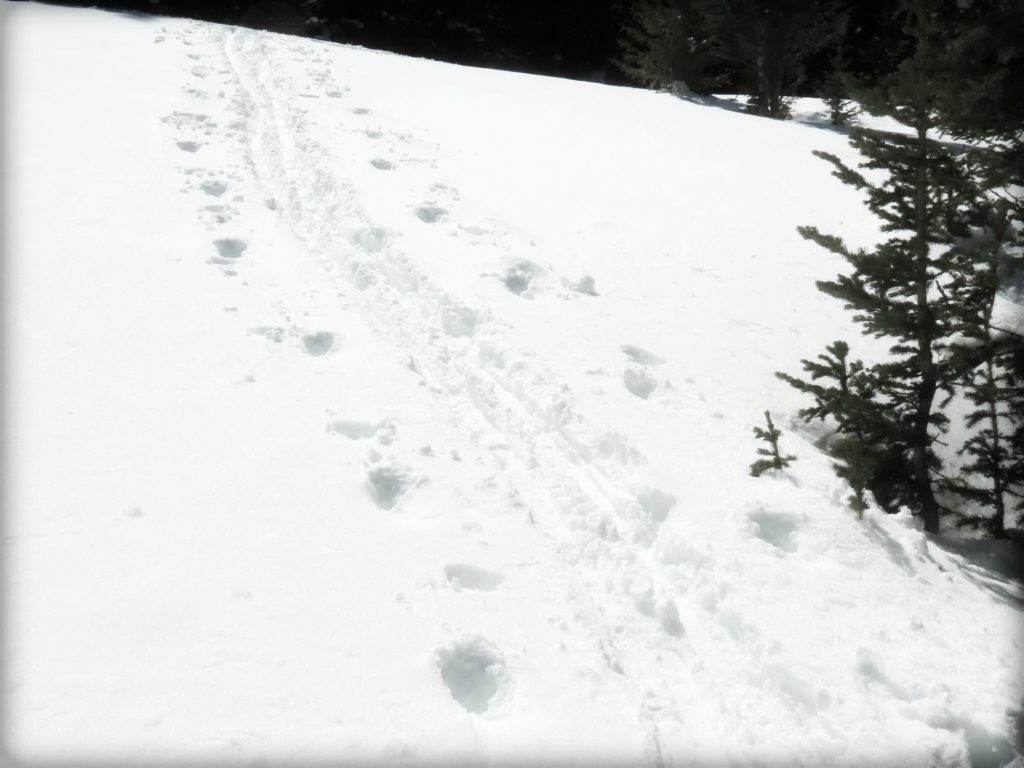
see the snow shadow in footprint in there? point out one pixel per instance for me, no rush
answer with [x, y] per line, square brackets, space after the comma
[586, 286]
[656, 505]
[214, 188]
[774, 528]
[473, 577]
[641, 356]
[189, 146]
[228, 250]
[388, 484]
[353, 430]
[430, 214]
[319, 343]
[639, 382]
[519, 277]
[472, 669]
[381, 164]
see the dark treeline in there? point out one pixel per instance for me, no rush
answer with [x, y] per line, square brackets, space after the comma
[580, 39]
[568, 38]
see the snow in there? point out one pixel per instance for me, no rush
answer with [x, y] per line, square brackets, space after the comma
[1008, 307]
[370, 408]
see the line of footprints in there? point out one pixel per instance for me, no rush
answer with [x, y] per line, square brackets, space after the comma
[472, 668]
[388, 150]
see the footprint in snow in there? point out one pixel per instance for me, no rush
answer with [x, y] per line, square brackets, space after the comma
[473, 670]
[229, 250]
[517, 281]
[384, 430]
[214, 188]
[656, 506]
[639, 382]
[586, 286]
[468, 576]
[389, 483]
[638, 378]
[775, 528]
[641, 356]
[430, 214]
[189, 146]
[319, 343]
[519, 277]
[381, 164]
[353, 430]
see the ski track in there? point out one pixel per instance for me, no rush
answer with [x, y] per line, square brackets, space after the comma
[592, 479]
[462, 353]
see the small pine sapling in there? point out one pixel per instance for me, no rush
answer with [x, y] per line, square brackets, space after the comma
[835, 92]
[850, 402]
[774, 460]
[837, 86]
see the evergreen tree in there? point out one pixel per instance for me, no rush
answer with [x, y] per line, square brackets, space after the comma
[767, 42]
[837, 86]
[981, 95]
[980, 101]
[664, 46]
[849, 401]
[986, 358]
[835, 92]
[672, 42]
[774, 460]
[901, 289]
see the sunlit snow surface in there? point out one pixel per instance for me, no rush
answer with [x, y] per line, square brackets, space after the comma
[368, 408]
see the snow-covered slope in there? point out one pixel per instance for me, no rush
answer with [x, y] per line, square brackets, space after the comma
[368, 408]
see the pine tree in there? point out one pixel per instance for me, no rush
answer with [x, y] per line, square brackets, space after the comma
[850, 402]
[980, 102]
[985, 358]
[835, 92]
[981, 94]
[767, 42]
[664, 46]
[837, 86]
[677, 43]
[774, 460]
[900, 290]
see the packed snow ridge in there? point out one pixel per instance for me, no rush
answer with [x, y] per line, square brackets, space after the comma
[365, 408]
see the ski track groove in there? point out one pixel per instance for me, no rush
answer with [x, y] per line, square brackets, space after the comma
[555, 440]
[585, 473]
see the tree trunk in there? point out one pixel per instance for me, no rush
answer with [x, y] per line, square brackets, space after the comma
[920, 439]
[997, 527]
[763, 91]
